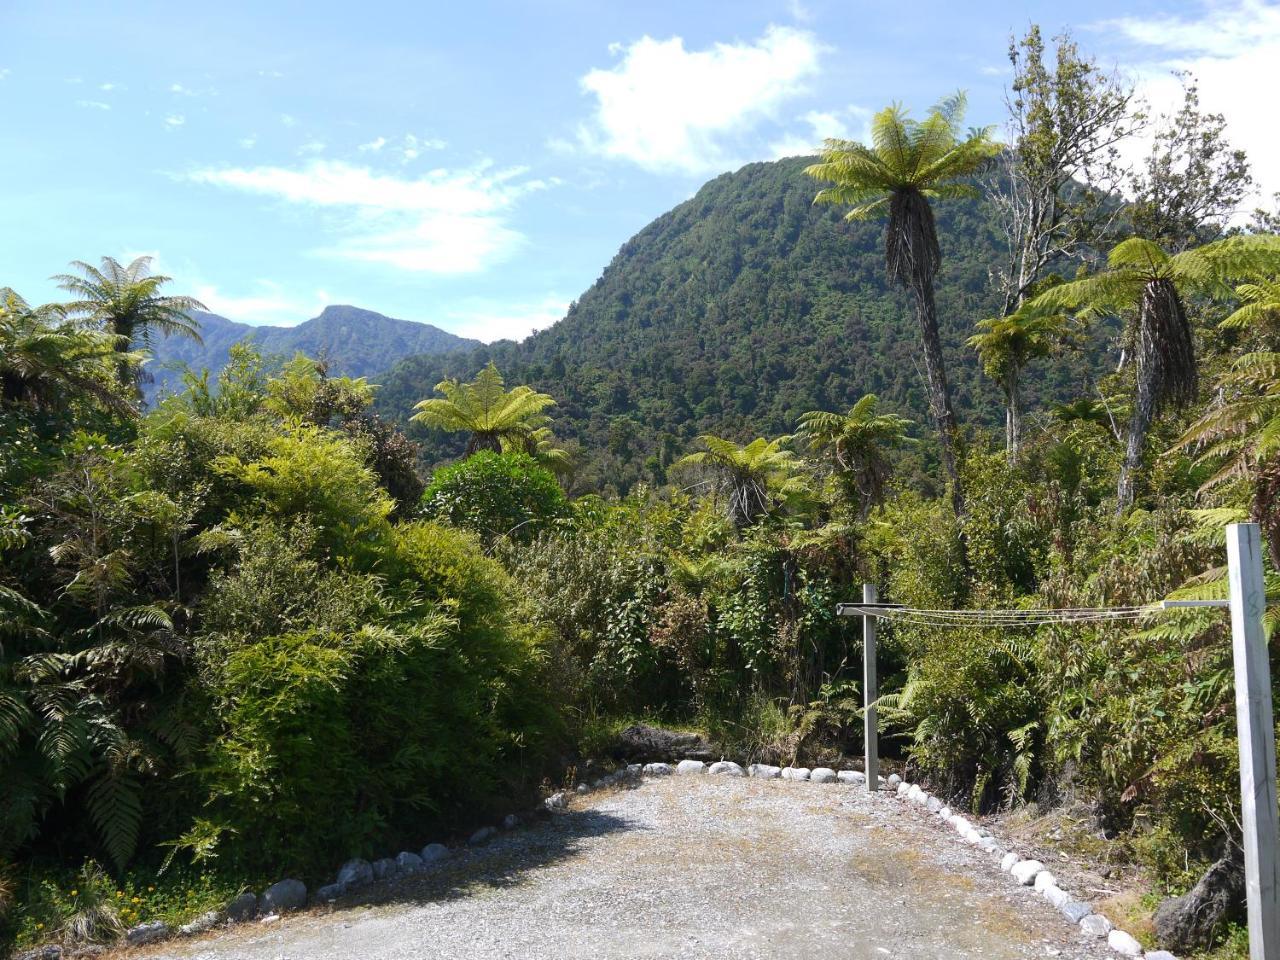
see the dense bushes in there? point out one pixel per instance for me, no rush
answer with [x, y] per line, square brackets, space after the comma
[496, 495]
[219, 644]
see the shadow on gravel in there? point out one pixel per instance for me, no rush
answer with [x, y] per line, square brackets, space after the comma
[500, 863]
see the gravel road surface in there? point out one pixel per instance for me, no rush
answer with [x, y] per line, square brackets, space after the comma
[688, 867]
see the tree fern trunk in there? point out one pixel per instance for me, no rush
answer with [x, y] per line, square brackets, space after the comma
[944, 417]
[1013, 415]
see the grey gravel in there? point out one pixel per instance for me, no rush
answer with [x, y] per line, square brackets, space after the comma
[688, 867]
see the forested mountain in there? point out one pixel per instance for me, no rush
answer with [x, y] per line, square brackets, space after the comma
[734, 313]
[356, 342]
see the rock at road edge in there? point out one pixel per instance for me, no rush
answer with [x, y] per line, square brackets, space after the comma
[147, 932]
[329, 892]
[355, 873]
[284, 896]
[384, 868]
[1190, 921]
[1025, 872]
[822, 775]
[659, 769]
[727, 768]
[851, 776]
[206, 921]
[646, 744]
[1124, 944]
[482, 836]
[764, 771]
[243, 907]
[433, 852]
[690, 766]
[409, 862]
[1095, 925]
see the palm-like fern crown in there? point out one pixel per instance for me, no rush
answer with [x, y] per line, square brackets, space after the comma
[46, 360]
[860, 434]
[908, 163]
[754, 474]
[1005, 344]
[127, 300]
[493, 415]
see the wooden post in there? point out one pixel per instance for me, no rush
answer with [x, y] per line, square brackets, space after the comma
[870, 690]
[1256, 731]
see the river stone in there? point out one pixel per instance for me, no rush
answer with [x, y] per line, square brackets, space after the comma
[633, 769]
[1190, 921]
[1056, 896]
[945, 813]
[436, 851]
[285, 896]
[1025, 871]
[583, 788]
[1159, 955]
[727, 768]
[355, 873]
[557, 801]
[482, 835]
[904, 789]
[988, 844]
[1076, 910]
[206, 921]
[851, 776]
[1045, 879]
[1095, 925]
[409, 862]
[933, 804]
[764, 771]
[148, 932]
[510, 822]
[647, 744]
[1124, 944]
[687, 767]
[1009, 860]
[893, 780]
[330, 892]
[822, 775]
[243, 907]
[386, 867]
[49, 951]
[658, 769]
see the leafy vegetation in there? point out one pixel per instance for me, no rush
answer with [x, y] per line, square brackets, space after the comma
[247, 605]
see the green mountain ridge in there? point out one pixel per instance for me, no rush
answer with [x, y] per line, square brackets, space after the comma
[356, 342]
[734, 313]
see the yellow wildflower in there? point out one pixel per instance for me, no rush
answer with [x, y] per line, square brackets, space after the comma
[74, 892]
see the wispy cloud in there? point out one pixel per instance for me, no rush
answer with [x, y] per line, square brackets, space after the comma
[373, 146]
[288, 120]
[266, 302]
[93, 105]
[312, 147]
[443, 222]
[174, 120]
[666, 108]
[822, 124]
[1228, 45]
[4, 72]
[108, 87]
[489, 320]
[247, 143]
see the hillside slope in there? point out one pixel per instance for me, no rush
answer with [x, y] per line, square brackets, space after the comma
[734, 313]
[357, 343]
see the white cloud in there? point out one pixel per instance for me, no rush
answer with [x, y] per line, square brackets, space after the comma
[4, 72]
[288, 120]
[1231, 46]
[93, 104]
[247, 143]
[489, 321]
[108, 87]
[312, 147]
[445, 221]
[413, 147]
[174, 120]
[373, 145]
[822, 125]
[671, 109]
[267, 303]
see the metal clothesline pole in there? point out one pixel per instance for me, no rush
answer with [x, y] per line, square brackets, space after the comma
[1255, 722]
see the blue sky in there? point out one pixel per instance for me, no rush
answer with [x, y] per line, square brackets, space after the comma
[477, 165]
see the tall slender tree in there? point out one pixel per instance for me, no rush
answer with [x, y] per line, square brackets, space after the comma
[1147, 285]
[909, 164]
[858, 444]
[127, 302]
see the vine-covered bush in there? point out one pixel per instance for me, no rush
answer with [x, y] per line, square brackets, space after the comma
[496, 495]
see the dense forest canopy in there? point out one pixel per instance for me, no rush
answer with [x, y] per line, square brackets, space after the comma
[736, 312]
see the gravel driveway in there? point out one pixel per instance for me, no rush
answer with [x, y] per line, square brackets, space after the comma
[689, 867]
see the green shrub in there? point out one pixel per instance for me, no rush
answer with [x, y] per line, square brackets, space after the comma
[496, 495]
